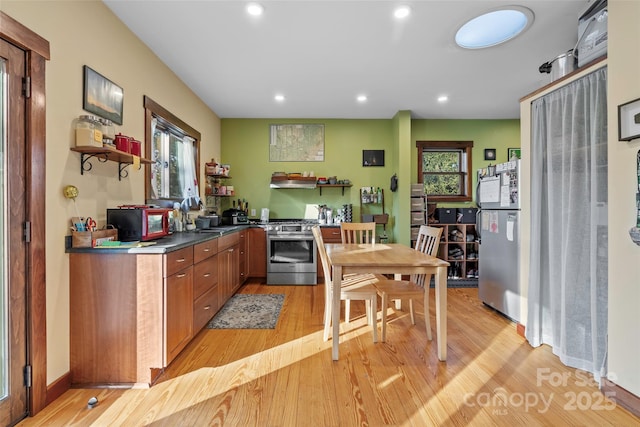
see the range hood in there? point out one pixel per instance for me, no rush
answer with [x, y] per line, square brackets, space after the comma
[293, 183]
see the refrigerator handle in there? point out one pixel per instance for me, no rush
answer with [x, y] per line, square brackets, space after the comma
[479, 225]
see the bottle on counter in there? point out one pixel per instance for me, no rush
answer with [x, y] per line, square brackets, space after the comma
[177, 217]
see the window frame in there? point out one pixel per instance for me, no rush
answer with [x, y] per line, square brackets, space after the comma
[467, 177]
[173, 124]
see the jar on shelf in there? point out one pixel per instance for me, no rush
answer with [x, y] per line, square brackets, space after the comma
[211, 168]
[88, 131]
[108, 132]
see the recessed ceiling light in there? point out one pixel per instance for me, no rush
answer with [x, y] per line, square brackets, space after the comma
[495, 27]
[443, 98]
[361, 98]
[255, 9]
[402, 12]
[279, 98]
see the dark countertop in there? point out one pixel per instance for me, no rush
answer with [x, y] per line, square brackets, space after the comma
[171, 243]
[176, 241]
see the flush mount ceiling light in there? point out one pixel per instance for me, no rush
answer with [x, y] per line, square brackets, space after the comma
[255, 9]
[495, 27]
[361, 98]
[443, 98]
[402, 12]
[279, 98]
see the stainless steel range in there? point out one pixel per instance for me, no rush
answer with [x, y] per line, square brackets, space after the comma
[291, 252]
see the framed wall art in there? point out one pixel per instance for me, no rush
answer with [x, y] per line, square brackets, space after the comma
[101, 96]
[489, 153]
[629, 120]
[296, 143]
[511, 152]
[372, 157]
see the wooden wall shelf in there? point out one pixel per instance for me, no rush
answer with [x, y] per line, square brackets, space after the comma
[104, 154]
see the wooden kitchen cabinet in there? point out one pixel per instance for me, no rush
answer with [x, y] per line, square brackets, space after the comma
[243, 265]
[116, 318]
[179, 312]
[206, 301]
[257, 252]
[132, 314]
[228, 265]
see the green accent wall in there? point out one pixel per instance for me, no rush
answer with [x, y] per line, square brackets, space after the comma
[498, 134]
[245, 146]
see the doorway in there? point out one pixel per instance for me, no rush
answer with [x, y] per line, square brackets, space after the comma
[23, 349]
[13, 307]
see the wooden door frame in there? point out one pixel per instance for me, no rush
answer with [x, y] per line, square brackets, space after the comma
[37, 53]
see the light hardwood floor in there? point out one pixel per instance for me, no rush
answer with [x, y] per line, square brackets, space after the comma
[285, 377]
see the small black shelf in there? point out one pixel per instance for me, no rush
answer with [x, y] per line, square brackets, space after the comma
[320, 186]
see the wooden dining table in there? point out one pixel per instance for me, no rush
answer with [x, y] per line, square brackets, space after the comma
[387, 258]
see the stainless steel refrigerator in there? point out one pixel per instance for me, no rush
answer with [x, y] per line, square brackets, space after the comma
[498, 226]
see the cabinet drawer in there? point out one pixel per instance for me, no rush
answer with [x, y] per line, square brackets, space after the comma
[417, 218]
[204, 250]
[228, 240]
[331, 234]
[417, 190]
[204, 308]
[205, 275]
[178, 260]
[417, 204]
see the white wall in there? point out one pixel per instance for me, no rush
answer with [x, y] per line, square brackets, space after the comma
[624, 255]
[79, 33]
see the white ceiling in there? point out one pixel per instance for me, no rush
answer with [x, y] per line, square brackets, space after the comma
[322, 54]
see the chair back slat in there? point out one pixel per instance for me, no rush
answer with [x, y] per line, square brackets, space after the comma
[358, 232]
[427, 243]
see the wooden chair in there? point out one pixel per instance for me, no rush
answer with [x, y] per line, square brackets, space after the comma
[418, 286]
[358, 232]
[354, 286]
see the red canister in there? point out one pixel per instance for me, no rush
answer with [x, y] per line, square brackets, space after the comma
[123, 143]
[135, 147]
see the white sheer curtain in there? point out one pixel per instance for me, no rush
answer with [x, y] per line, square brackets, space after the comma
[156, 169]
[567, 301]
[188, 176]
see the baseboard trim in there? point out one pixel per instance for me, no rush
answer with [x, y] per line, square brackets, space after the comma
[58, 388]
[520, 328]
[622, 397]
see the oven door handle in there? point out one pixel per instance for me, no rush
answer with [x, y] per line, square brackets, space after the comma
[289, 237]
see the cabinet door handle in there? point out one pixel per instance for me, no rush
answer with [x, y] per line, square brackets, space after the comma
[206, 249]
[181, 260]
[207, 274]
[181, 275]
[231, 250]
[207, 307]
